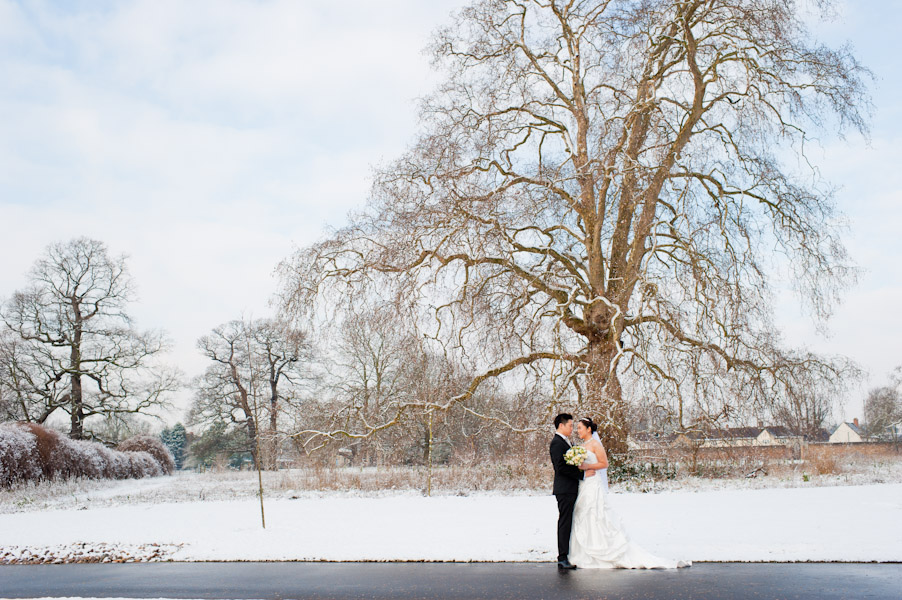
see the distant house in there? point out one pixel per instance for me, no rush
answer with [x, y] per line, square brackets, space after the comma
[718, 438]
[821, 435]
[847, 433]
[734, 437]
[649, 440]
[778, 435]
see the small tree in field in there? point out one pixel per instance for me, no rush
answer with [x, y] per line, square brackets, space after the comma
[595, 196]
[74, 346]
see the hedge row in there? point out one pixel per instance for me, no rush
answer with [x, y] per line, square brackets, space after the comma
[30, 452]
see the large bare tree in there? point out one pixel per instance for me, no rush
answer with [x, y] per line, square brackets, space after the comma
[284, 355]
[73, 346]
[603, 190]
[257, 368]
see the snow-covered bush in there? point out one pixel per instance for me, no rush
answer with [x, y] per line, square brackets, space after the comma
[29, 452]
[90, 456]
[62, 457]
[153, 446]
[143, 464]
[19, 457]
[119, 467]
[111, 464]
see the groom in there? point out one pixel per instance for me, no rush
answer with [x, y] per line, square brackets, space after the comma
[566, 486]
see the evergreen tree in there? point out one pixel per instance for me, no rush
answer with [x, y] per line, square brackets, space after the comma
[176, 440]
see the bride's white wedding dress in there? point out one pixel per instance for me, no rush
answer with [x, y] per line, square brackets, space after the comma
[598, 540]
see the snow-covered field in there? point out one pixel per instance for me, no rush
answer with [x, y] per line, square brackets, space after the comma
[192, 517]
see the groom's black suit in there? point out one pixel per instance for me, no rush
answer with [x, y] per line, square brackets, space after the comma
[566, 486]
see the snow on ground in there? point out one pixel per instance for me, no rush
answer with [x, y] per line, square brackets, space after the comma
[191, 486]
[840, 523]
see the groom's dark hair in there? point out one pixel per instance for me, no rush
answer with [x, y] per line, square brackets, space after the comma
[562, 418]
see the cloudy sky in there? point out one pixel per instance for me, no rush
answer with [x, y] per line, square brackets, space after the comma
[207, 139]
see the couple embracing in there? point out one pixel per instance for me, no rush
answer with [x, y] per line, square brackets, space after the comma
[588, 531]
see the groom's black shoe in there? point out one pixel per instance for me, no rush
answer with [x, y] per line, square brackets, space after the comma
[564, 565]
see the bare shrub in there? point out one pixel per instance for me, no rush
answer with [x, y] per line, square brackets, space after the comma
[445, 479]
[823, 462]
[119, 465]
[19, 457]
[142, 464]
[30, 452]
[62, 457]
[154, 447]
[91, 457]
[56, 460]
[111, 463]
[67, 459]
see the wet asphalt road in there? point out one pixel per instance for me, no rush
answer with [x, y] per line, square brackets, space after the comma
[450, 580]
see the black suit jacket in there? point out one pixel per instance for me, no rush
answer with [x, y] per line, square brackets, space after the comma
[566, 477]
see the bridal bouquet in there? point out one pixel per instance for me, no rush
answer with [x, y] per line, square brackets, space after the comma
[575, 456]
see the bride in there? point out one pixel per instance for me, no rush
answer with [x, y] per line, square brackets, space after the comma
[598, 540]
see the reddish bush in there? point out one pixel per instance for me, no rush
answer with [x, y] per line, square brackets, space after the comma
[110, 463]
[19, 457]
[62, 457]
[29, 451]
[119, 465]
[154, 447]
[46, 441]
[91, 457]
[143, 464]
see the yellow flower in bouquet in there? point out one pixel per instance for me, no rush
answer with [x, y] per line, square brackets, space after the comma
[575, 456]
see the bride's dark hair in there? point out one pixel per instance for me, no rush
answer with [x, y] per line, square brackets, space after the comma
[589, 423]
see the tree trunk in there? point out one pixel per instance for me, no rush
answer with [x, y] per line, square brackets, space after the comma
[604, 402]
[273, 445]
[77, 415]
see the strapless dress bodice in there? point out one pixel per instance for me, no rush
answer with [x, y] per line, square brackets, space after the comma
[601, 475]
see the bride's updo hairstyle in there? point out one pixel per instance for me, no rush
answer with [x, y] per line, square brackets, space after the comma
[589, 423]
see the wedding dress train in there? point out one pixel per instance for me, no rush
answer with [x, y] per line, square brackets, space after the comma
[598, 540]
